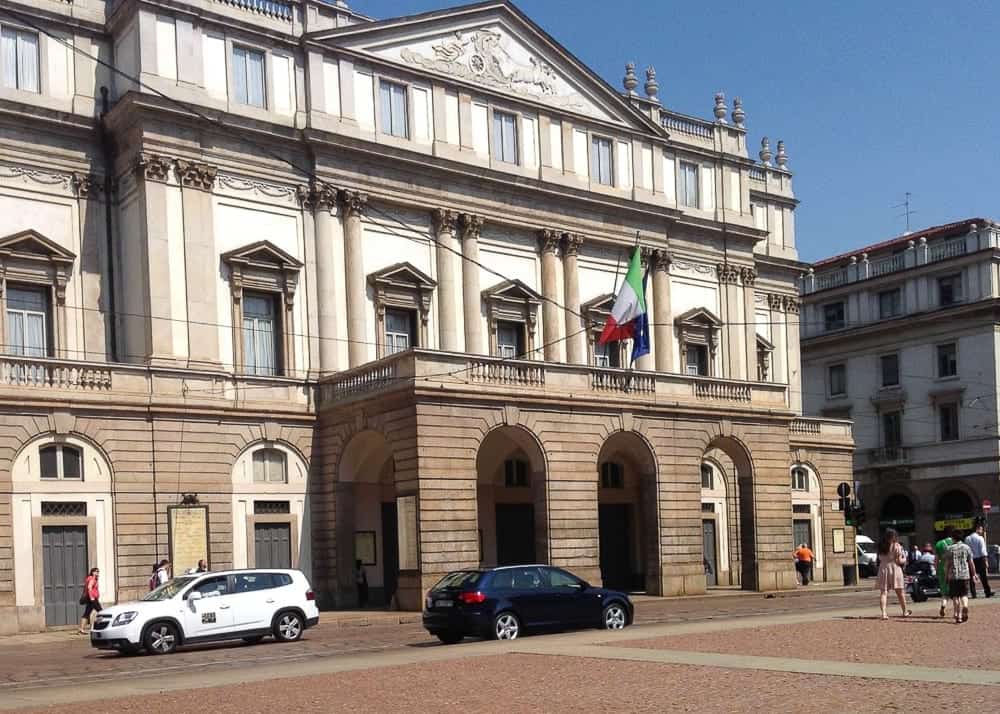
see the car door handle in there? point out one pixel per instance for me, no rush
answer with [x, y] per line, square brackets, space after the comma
[223, 607]
[269, 601]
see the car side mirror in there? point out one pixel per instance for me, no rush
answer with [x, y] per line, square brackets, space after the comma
[194, 595]
[584, 585]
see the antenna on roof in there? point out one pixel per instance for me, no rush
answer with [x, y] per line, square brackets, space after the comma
[907, 211]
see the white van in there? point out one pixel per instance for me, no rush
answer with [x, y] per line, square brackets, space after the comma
[867, 556]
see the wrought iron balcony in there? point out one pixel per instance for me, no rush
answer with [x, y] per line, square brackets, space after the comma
[888, 456]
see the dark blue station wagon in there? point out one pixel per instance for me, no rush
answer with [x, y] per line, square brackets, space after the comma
[502, 603]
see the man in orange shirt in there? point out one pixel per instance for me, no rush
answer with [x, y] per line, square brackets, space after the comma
[803, 562]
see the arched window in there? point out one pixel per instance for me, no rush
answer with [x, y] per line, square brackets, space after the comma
[800, 479]
[612, 475]
[60, 461]
[269, 466]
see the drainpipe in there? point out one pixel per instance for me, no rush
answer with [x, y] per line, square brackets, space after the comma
[108, 156]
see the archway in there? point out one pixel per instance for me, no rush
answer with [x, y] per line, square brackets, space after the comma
[510, 492]
[954, 509]
[628, 525]
[367, 518]
[807, 514]
[745, 506]
[898, 513]
[719, 525]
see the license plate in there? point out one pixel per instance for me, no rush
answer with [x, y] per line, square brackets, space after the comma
[443, 603]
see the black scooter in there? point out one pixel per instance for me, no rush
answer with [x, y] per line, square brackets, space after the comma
[921, 580]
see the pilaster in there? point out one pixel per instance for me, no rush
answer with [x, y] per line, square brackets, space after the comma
[471, 299]
[331, 280]
[352, 207]
[576, 329]
[548, 242]
[663, 329]
[449, 269]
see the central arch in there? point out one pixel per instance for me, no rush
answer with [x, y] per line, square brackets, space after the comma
[628, 523]
[742, 466]
[511, 499]
[366, 518]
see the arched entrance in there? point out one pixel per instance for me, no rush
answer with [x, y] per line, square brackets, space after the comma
[716, 506]
[954, 509]
[510, 492]
[898, 513]
[743, 494]
[807, 514]
[367, 519]
[627, 514]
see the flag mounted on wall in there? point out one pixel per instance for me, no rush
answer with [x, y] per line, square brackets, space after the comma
[629, 319]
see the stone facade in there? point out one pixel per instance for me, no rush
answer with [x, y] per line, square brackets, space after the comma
[905, 331]
[340, 281]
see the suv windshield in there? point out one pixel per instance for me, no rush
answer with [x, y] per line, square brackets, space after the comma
[867, 547]
[458, 579]
[169, 589]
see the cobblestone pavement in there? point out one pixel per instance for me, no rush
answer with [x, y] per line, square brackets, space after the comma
[517, 683]
[65, 658]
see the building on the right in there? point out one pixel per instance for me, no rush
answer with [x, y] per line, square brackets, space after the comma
[903, 337]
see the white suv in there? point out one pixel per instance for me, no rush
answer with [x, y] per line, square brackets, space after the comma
[207, 607]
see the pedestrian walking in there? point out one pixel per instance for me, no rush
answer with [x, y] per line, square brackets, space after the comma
[803, 562]
[927, 553]
[977, 544]
[361, 581]
[914, 554]
[891, 559]
[161, 575]
[961, 570]
[91, 598]
[940, 564]
[202, 567]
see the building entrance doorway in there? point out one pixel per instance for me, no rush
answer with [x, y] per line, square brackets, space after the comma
[515, 534]
[272, 545]
[615, 527]
[64, 561]
[802, 533]
[390, 551]
[711, 548]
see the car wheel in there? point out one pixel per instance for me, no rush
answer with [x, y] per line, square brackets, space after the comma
[614, 617]
[506, 626]
[253, 640]
[450, 638]
[288, 627]
[161, 638]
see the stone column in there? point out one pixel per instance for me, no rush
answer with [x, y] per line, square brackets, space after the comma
[449, 280]
[548, 241]
[331, 304]
[146, 263]
[472, 300]
[94, 271]
[576, 332]
[732, 331]
[794, 358]
[353, 206]
[200, 262]
[663, 331]
[749, 277]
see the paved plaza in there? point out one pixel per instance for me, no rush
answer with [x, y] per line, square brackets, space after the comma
[739, 654]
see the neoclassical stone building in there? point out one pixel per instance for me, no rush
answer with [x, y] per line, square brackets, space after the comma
[294, 286]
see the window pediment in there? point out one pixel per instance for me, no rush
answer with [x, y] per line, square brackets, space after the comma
[262, 254]
[699, 317]
[513, 292]
[32, 245]
[599, 308]
[402, 275]
[404, 286]
[764, 344]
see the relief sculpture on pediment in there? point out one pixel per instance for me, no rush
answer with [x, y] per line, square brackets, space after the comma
[482, 56]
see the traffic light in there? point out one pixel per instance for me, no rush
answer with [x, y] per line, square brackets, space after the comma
[845, 507]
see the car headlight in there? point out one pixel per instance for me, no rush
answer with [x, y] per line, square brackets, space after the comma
[124, 618]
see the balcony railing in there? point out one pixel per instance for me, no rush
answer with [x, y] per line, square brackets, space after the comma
[686, 125]
[519, 373]
[888, 265]
[53, 374]
[270, 8]
[607, 380]
[825, 431]
[831, 279]
[888, 456]
[946, 249]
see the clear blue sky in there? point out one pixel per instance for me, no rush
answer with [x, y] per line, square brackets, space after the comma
[872, 98]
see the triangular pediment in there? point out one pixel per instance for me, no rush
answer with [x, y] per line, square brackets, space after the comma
[513, 291]
[404, 275]
[601, 304]
[32, 244]
[700, 316]
[496, 47]
[262, 254]
[764, 344]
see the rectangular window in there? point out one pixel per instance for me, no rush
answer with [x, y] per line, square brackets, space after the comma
[399, 335]
[607, 355]
[19, 59]
[892, 429]
[947, 360]
[260, 334]
[837, 375]
[890, 304]
[688, 185]
[515, 473]
[889, 365]
[248, 77]
[949, 290]
[833, 316]
[600, 161]
[948, 418]
[707, 477]
[27, 321]
[696, 360]
[392, 98]
[612, 475]
[269, 466]
[505, 137]
[800, 479]
[510, 340]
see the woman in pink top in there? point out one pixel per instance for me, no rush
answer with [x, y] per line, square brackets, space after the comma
[91, 597]
[891, 559]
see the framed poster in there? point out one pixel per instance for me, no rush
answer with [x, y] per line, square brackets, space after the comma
[187, 535]
[838, 540]
[364, 547]
[406, 522]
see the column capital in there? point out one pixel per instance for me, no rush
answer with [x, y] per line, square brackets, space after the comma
[445, 220]
[749, 276]
[791, 305]
[662, 259]
[153, 167]
[86, 185]
[353, 202]
[776, 302]
[318, 196]
[470, 225]
[572, 243]
[728, 274]
[195, 174]
[548, 241]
